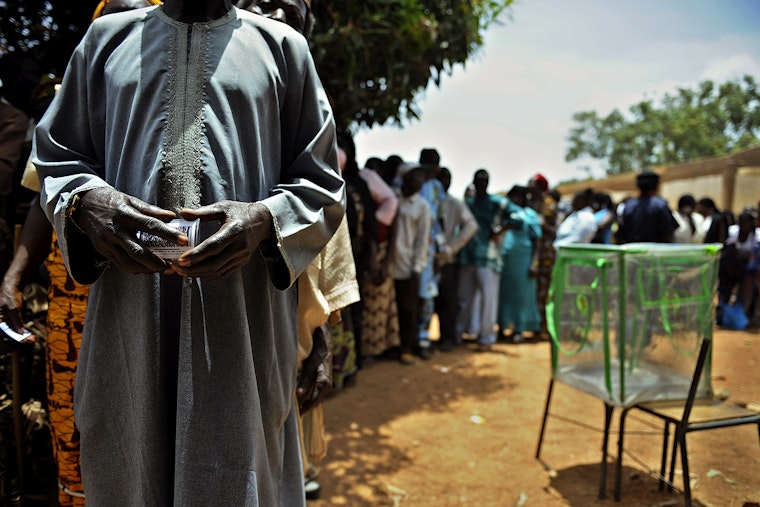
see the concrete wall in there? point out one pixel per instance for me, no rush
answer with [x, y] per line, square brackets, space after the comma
[747, 190]
[700, 186]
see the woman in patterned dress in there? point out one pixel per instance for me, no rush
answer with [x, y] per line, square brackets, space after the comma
[544, 203]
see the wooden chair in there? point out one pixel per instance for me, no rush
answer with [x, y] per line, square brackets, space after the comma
[687, 415]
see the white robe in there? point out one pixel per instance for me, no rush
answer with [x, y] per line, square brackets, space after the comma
[184, 391]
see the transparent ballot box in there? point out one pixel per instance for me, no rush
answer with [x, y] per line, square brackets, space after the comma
[627, 320]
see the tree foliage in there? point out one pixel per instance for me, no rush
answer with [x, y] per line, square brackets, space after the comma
[375, 57]
[46, 30]
[712, 119]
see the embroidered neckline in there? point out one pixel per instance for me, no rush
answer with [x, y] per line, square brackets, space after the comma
[182, 170]
[229, 16]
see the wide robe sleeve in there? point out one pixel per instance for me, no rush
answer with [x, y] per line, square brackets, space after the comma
[309, 204]
[67, 148]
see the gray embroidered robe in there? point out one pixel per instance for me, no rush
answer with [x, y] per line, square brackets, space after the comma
[184, 387]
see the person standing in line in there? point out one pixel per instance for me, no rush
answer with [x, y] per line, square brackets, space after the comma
[345, 349]
[716, 223]
[362, 227]
[459, 226]
[19, 75]
[325, 289]
[647, 218]
[707, 208]
[580, 225]
[385, 199]
[411, 251]
[545, 203]
[380, 330]
[518, 306]
[209, 356]
[389, 170]
[480, 264]
[13, 128]
[739, 270]
[690, 223]
[433, 193]
[606, 217]
[67, 303]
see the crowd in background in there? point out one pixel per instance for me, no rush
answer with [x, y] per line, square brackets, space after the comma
[481, 262]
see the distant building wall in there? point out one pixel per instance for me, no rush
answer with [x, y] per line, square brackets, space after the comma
[700, 186]
[732, 181]
[747, 190]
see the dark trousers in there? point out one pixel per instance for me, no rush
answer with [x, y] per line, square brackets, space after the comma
[407, 302]
[446, 304]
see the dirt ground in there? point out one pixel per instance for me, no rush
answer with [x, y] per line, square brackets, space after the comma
[462, 429]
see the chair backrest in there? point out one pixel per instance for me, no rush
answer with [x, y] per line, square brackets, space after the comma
[704, 349]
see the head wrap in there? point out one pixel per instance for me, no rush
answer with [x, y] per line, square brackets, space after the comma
[541, 182]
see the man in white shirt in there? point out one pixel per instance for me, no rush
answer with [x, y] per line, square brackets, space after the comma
[412, 231]
[579, 226]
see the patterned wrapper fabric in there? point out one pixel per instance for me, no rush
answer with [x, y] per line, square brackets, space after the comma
[65, 319]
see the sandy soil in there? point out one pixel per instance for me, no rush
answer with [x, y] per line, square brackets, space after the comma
[462, 429]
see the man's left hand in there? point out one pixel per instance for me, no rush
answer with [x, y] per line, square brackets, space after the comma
[244, 226]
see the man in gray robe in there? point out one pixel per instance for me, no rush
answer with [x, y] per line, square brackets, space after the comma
[184, 392]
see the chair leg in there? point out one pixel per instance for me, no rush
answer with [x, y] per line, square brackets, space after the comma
[546, 416]
[607, 420]
[664, 459]
[681, 436]
[672, 474]
[619, 461]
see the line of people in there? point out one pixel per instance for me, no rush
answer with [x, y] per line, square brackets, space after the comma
[482, 264]
[647, 217]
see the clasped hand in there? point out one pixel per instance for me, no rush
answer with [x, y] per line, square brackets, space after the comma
[111, 220]
[244, 226]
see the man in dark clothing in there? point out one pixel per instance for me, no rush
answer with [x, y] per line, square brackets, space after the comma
[647, 218]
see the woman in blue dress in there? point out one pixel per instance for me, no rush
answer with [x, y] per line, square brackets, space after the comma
[518, 306]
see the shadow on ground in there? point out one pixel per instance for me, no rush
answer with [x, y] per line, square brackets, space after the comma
[576, 483]
[433, 387]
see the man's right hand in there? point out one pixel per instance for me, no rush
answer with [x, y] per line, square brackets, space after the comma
[111, 219]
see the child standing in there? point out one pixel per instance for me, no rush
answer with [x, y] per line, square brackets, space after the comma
[411, 251]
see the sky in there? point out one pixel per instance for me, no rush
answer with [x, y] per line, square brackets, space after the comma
[509, 110]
